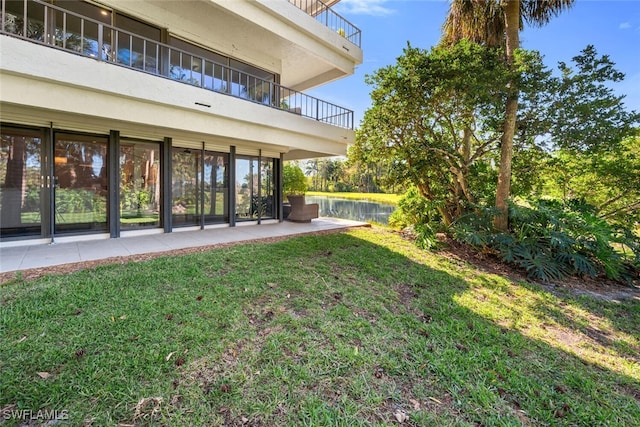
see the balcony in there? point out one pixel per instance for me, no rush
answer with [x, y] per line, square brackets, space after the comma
[323, 13]
[55, 27]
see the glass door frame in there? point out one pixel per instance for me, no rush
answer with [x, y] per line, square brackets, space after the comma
[54, 185]
[257, 197]
[44, 181]
[159, 195]
[204, 217]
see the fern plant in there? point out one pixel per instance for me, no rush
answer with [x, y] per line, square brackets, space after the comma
[552, 239]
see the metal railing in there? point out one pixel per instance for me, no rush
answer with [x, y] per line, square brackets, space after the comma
[327, 16]
[53, 26]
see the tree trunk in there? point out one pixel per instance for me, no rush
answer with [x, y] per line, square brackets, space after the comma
[425, 192]
[213, 196]
[462, 173]
[503, 189]
[14, 184]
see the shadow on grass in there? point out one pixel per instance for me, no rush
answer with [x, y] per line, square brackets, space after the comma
[358, 328]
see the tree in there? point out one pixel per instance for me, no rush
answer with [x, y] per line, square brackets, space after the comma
[435, 122]
[585, 113]
[493, 23]
[609, 181]
[293, 180]
[312, 169]
[593, 138]
[368, 175]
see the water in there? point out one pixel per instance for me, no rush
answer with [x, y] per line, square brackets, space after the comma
[358, 210]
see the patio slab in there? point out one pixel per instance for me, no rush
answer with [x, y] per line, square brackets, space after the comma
[16, 258]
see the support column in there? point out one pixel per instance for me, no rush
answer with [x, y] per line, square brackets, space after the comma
[113, 182]
[165, 179]
[259, 199]
[47, 204]
[200, 190]
[232, 186]
[279, 180]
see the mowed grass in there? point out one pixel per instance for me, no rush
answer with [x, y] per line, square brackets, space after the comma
[389, 199]
[348, 329]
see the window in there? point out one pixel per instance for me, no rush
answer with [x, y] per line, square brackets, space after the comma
[73, 33]
[80, 177]
[255, 192]
[188, 67]
[221, 73]
[139, 185]
[21, 182]
[136, 51]
[200, 190]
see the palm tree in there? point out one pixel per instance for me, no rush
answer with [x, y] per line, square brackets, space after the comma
[498, 23]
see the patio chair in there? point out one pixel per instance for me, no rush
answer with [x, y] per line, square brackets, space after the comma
[301, 211]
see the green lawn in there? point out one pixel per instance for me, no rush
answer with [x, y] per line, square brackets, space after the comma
[357, 328]
[389, 199]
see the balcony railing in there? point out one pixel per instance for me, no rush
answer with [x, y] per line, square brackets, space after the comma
[53, 26]
[324, 14]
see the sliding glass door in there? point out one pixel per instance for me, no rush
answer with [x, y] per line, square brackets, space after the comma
[255, 190]
[139, 184]
[199, 190]
[21, 182]
[185, 194]
[216, 187]
[267, 189]
[80, 178]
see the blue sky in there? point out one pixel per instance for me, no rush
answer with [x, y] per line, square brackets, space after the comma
[612, 26]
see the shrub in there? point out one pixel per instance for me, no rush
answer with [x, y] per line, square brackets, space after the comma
[418, 213]
[551, 239]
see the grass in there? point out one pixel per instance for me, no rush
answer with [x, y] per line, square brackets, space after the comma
[389, 199]
[357, 328]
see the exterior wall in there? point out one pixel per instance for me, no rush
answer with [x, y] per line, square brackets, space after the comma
[271, 34]
[75, 90]
[50, 92]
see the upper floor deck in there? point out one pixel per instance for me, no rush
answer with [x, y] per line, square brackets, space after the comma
[232, 58]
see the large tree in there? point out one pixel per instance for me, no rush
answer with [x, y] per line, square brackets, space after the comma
[435, 121]
[498, 23]
[593, 138]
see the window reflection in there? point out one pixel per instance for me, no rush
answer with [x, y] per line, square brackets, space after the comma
[267, 188]
[139, 185]
[74, 33]
[244, 81]
[185, 177]
[216, 187]
[135, 51]
[20, 181]
[254, 189]
[196, 194]
[80, 170]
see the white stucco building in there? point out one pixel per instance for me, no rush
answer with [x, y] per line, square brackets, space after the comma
[151, 115]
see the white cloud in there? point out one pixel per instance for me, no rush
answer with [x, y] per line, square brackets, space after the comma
[625, 26]
[364, 7]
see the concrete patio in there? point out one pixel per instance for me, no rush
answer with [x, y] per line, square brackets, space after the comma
[22, 257]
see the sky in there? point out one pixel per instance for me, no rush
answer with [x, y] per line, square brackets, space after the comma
[612, 26]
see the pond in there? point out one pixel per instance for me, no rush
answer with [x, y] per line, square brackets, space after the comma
[358, 210]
